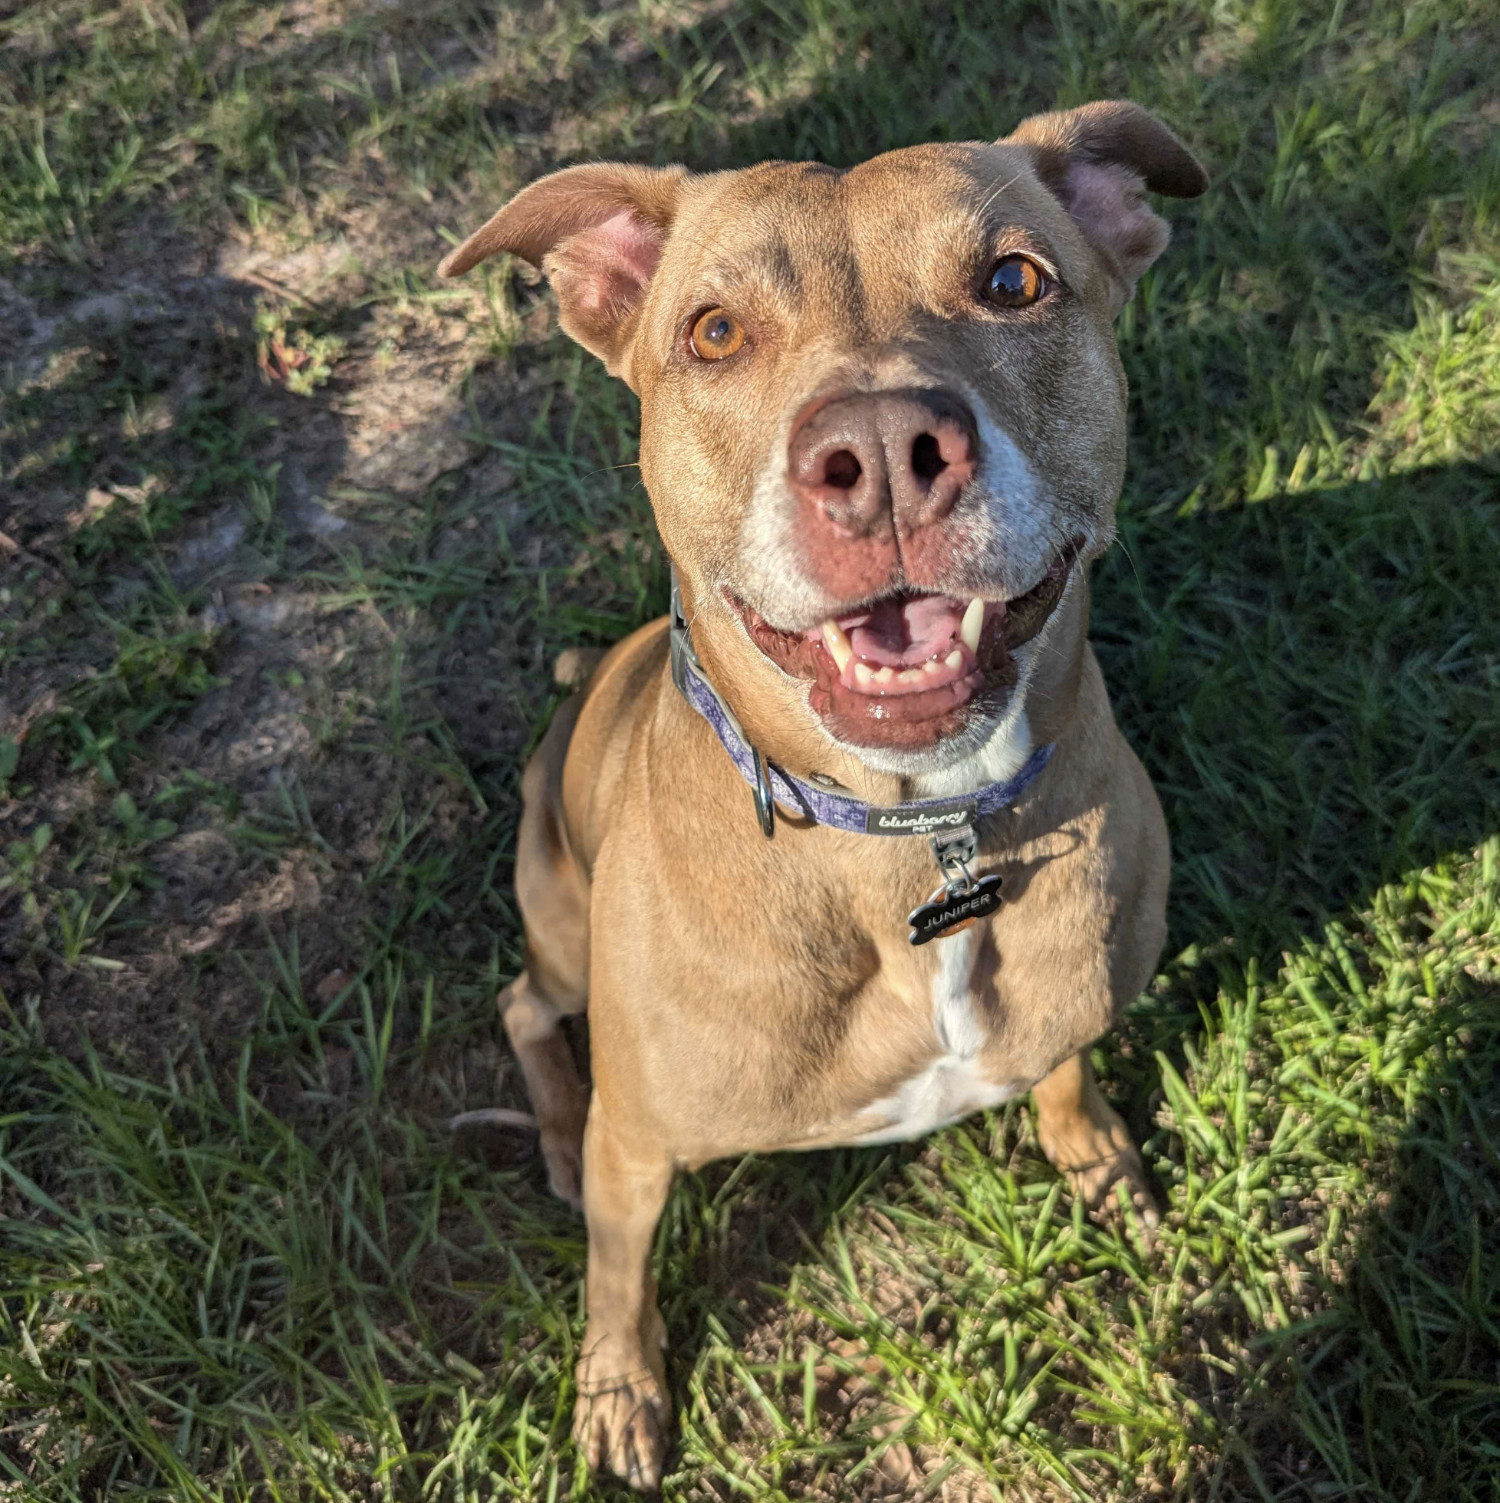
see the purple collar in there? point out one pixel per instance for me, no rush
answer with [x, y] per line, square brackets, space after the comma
[772, 785]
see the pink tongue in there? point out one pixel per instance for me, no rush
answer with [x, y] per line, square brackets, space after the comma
[906, 630]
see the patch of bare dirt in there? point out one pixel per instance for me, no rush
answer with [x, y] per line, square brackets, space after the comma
[275, 777]
[151, 437]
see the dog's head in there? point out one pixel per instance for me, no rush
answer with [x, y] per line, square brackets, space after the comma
[883, 419]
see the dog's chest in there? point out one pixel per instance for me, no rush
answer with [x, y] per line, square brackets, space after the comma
[957, 1080]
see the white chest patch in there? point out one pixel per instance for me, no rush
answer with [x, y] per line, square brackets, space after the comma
[954, 1084]
[947, 1091]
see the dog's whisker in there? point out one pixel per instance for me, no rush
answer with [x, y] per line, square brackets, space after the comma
[992, 197]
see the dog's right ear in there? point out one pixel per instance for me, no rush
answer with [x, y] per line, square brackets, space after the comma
[597, 232]
[1100, 160]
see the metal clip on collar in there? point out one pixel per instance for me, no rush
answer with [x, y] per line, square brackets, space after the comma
[765, 805]
[953, 850]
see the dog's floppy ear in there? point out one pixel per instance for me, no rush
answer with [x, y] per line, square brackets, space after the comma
[1098, 159]
[597, 232]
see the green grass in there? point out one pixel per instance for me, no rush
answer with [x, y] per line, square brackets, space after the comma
[267, 706]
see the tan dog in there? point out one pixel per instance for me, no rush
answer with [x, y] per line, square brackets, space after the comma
[883, 431]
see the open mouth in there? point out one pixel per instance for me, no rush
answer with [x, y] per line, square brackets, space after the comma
[911, 667]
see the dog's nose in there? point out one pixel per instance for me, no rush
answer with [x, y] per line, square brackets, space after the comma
[872, 461]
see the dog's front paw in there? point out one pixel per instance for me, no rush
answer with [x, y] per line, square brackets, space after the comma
[1096, 1154]
[620, 1421]
[1093, 1181]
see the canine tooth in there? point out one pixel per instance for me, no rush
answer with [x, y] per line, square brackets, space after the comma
[910, 675]
[972, 624]
[837, 643]
[863, 673]
[955, 659]
[884, 676]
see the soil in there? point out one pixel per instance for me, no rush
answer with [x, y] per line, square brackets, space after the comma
[295, 718]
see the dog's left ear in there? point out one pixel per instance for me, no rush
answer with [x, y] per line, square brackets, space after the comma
[1099, 159]
[597, 231]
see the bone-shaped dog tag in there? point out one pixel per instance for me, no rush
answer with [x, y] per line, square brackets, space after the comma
[946, 911]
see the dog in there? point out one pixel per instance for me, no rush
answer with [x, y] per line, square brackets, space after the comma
[849, 845]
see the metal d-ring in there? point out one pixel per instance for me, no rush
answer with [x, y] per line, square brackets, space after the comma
[955, 849]
[765, 804]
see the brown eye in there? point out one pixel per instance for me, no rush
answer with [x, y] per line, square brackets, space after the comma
[1014, 282]
[717, 335]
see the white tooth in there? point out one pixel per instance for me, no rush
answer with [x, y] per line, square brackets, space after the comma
[910, 675]
[837, 643]
[884, 676]
[955, 659]
[932, 665]
[972, 624]
[863, 673]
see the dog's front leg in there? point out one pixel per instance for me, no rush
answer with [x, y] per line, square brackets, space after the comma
[620, 1420]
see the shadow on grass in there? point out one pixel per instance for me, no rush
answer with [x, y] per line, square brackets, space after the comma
[1311, 682]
